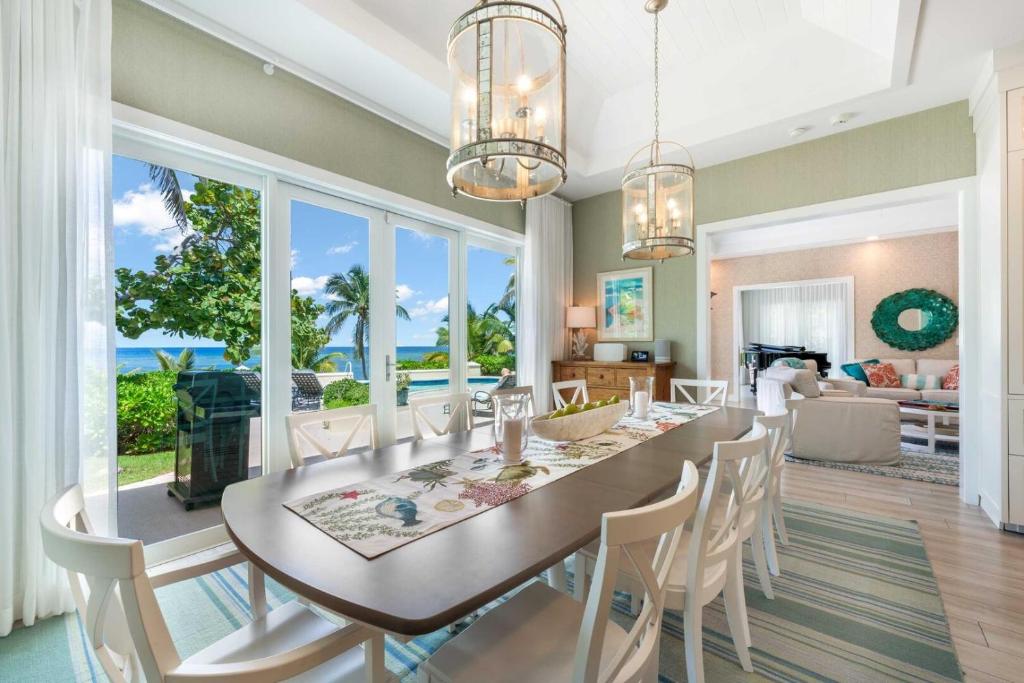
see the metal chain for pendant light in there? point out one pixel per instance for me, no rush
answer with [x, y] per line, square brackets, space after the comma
[657, 92]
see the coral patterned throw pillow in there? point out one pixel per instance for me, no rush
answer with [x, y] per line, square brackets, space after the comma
[952, 379]
[881, 375]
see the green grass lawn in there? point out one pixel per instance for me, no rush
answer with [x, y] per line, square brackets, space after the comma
[135, 468]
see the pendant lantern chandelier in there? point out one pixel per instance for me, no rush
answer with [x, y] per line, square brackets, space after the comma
[507, 66]
[657, 196]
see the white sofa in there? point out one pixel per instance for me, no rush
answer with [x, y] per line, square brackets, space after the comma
[904, 366]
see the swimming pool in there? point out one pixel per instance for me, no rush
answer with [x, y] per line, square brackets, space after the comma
[442, 383]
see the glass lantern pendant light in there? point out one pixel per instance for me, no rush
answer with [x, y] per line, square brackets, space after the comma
[507, 65]
[657, 196]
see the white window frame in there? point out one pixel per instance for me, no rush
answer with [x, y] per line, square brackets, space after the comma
[151, 138]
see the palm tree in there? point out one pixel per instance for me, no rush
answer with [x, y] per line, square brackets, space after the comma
[507, 303]
[312, 359]
[186, 360]
[349, 297]
[486, 333]
[170, 191]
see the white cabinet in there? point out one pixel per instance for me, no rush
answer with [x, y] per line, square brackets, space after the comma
[1015, 475]
[1015, 270]
[1015, 120]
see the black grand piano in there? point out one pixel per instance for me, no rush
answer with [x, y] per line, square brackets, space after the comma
[757, 357]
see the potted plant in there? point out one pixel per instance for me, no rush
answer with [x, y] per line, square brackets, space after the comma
[402, 382]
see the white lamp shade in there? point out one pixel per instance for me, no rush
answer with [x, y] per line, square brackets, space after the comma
[580, 316]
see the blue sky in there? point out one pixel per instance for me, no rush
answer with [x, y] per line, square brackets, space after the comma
[323, 242]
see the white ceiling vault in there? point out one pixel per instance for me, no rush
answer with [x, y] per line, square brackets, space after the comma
[737, 75]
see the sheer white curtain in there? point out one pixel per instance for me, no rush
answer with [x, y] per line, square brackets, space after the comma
[55, 299]
[815, 315]
[546, 291]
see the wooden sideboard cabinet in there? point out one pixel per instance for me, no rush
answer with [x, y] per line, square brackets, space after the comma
[605, 379]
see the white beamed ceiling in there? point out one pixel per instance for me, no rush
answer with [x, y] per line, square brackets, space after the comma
[736, 74]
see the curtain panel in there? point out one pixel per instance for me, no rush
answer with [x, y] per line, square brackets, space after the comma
[546, 292]
[813, 315]
[56, 306]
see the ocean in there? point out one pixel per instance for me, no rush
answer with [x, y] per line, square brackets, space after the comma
[143, 359]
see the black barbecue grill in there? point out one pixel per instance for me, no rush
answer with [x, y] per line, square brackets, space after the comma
[212, 452]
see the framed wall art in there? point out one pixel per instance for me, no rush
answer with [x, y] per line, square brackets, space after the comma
[625, 305]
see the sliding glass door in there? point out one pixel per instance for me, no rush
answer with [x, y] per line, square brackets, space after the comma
[369, 312]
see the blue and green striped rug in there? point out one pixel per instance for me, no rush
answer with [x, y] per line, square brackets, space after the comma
[856, 601]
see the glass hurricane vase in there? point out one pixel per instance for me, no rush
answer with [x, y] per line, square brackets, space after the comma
[641, 394]
[511, 425]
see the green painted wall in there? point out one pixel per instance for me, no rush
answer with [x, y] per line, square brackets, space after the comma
[926, 147]
[166, 67]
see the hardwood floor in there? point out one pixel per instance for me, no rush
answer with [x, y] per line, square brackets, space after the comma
[979, 569]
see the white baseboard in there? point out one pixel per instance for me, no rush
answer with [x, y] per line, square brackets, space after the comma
[992, 508]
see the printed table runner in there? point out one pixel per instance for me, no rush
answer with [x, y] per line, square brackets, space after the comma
[379, 515]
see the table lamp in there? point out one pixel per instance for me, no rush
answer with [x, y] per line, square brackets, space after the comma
[579, 318]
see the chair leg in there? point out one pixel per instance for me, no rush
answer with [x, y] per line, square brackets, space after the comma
[373, 659]
[581, 581]
[257, 592]
[693, 639]
[768, 534]
[557, 578]
[734, 584]
[761, 562]
[736, 614]
[780, 520]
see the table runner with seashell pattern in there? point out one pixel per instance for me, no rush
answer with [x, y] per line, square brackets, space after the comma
[381, 514]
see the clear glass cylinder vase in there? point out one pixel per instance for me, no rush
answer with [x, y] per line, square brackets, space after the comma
[641, 394]
[511, 425]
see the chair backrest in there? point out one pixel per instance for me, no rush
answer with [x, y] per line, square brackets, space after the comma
[622, 540]
[579, 394]
[113, 594]
[456, 406]
[710, 546]
[778, 434]
[531, 405]
[713, 389]
[308, 392]
[329, 432]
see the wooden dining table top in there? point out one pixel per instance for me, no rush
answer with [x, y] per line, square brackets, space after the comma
[438, 579]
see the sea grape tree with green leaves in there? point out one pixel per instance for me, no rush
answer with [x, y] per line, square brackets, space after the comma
[209, 286]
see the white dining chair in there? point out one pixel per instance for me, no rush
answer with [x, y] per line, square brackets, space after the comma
[705, 563]
[772, 517]
[329, 432]
[127, 631]
[456, 406]
[531, 405]
[578, 388]
[540, 634]
[713, 388]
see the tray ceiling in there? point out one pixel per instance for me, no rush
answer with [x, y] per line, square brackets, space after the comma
[737, 75]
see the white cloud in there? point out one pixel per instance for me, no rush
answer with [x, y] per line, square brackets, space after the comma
[295, 257]
[143, 209]
[405, 292]
[309, 286]
[342, 248]
[438, 306]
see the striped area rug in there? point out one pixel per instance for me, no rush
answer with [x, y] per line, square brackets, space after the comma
[941, 467]
[856, 601]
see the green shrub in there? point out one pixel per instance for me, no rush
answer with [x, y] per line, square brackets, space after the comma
[437, 364]
[494, 364]
[145, 412]
[346, 392]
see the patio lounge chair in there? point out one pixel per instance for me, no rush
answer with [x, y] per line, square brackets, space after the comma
[483, 401]
[307, 392]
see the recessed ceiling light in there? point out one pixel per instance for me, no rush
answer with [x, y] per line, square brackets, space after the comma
[871, 238]
[840, 119]
[797, 132]
[268, 69]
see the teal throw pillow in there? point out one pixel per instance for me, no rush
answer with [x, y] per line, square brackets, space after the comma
[855, 371]
[794, 363]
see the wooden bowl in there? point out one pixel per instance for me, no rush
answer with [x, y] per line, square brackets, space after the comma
[582, 425]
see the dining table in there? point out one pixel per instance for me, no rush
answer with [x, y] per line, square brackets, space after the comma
[440, 578]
